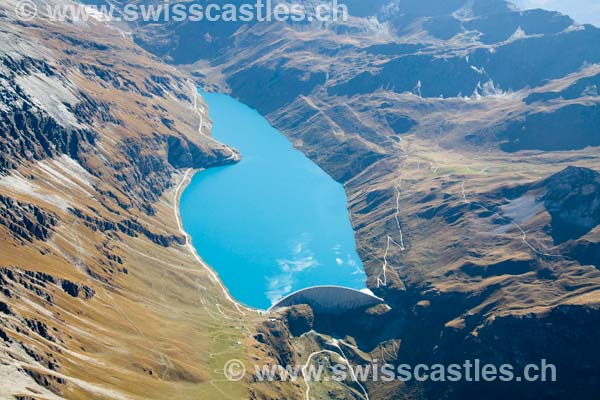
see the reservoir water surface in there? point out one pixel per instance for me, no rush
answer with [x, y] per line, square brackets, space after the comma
[273, 223]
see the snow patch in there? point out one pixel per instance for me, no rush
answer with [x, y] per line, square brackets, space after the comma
[465, 12]
[480, 71]
[18, 184]
[13, 381]
[68, 173]
[518, 35]
[575, 28]
[14, 46]
[52, 96]
[489, 89]
[522, 209]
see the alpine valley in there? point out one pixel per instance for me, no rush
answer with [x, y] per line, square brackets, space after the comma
[465, 133]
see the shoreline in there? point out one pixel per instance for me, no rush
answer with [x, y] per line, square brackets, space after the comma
[185, 181]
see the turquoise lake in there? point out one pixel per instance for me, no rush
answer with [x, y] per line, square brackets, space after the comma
[273, 223]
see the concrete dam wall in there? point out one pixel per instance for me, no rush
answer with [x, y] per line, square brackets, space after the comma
[329, 299]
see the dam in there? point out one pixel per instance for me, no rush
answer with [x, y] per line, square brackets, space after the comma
[329, 299]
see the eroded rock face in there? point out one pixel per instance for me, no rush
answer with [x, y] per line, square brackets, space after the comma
[275, 333]
[573, 201]
[31, 130]
[561, 336]
[185, 154]
[26, 222]
[129, 227]
[30, 333]
[75, 290]
[41, 284]
[300, 319]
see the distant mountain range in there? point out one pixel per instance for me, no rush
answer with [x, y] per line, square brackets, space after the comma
[583, 11]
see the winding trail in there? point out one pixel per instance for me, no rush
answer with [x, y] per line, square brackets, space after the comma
[334, 343]
[382, 278]
[397, 218]
[523, 232]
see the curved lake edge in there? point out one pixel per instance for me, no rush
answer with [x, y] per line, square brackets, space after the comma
[186, 179]
[325, 274]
